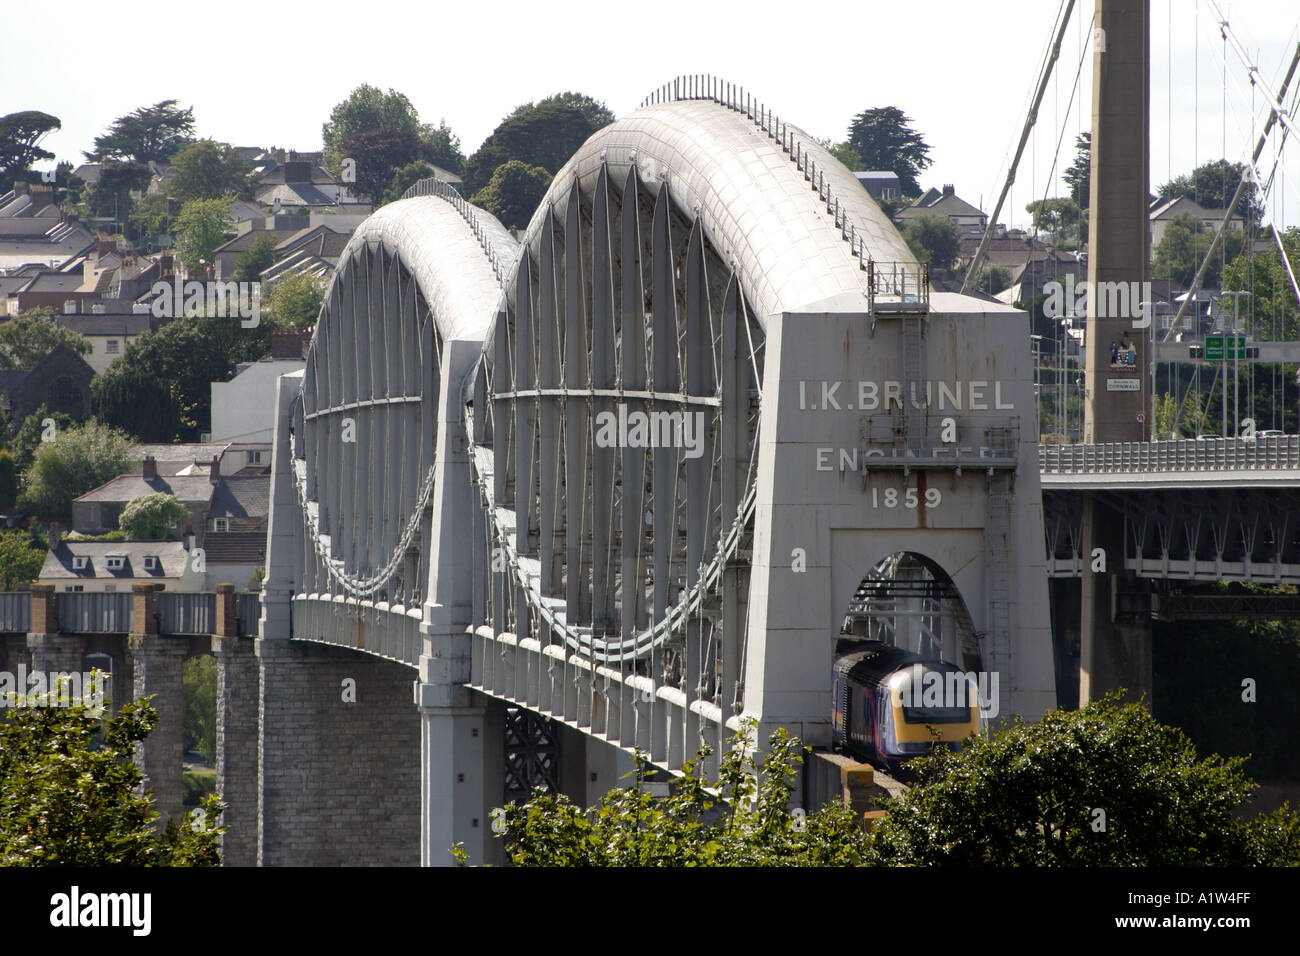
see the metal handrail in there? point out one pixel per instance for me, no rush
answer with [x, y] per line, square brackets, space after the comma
[705, 86]
[1213, 454]
[444, 190]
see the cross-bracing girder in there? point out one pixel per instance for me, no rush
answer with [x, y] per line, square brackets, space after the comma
[621, 316]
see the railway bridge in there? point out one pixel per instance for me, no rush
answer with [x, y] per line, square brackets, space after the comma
[621, 482]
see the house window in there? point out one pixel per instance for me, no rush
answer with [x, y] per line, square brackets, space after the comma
[151, 562]
[110, 587]
[888, 192]
[116, 562]
[254, 457]
[220, 524]
[80, 562]
[113, 346]
[75, 587]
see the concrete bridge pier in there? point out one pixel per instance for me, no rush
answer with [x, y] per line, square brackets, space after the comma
[462, 767]
[1115, 616]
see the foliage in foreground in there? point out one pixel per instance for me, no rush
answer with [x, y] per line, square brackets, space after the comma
[693, 827]
[68, 793]
[1103, 786]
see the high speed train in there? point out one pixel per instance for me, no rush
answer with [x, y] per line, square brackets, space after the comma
[880, 713]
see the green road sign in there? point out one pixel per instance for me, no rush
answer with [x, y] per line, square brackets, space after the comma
[1214, 347]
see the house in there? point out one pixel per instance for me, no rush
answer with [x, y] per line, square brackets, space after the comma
[243, 409]
[108, 566]
[98, 510]
[299, 183]
[880, 184]
[60, 381]
[217, 504]
[108, 333]
[225, 256]
[1163, 212]
[234, 542]
[970, 220]
[34, 230]
[186, 458]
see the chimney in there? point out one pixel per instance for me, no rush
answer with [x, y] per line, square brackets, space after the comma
[20, 187]
[947, 189]
[214, 472]
[150, 467]
[55, 534]
[42, 196]
[189, 537]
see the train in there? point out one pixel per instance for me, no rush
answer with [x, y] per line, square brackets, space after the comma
[880, 714]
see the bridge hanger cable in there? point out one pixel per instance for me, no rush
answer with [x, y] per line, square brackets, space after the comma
[1030, 120]
[1277, 111]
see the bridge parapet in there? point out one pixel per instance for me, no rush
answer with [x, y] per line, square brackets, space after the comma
[178, 613]
[1213, 454]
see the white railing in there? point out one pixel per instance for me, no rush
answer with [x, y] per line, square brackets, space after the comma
[1213, 454]
[468, 212]
[705, 86]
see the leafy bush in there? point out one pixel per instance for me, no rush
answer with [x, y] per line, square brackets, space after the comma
[68, 793]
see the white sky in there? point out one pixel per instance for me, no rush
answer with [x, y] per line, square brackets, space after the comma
[268, 74]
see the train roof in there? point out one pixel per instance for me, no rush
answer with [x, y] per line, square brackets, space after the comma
[876, 659]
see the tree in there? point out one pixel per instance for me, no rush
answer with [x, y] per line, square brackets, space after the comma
[513, 193]
[992, 279]
[254, 260]
[150, 517]
[1102, 786]
[21, 559]
[28, 337]
[1272, 308]
[597, 114]
[199, 689]
[33, 431]
[80, 459]
[1078, 175]
[405, 178]
[8, 481]
[150, 133]
[295, 301]
[440, 146]
[1165, 408]
[630, 827]
[933, 239]
[1183, 246]
[844, 152]
[150, 218]
[884, 140]
[366, 108]
[71, 795]
[160, 388]
[203, 224]
[1212, 185]
[1056, 217]
[111, 196]
[209, 170]
[20, 135]
[543, 134]
[379, 154]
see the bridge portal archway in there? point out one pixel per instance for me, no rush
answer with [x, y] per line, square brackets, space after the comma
[908, 600]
